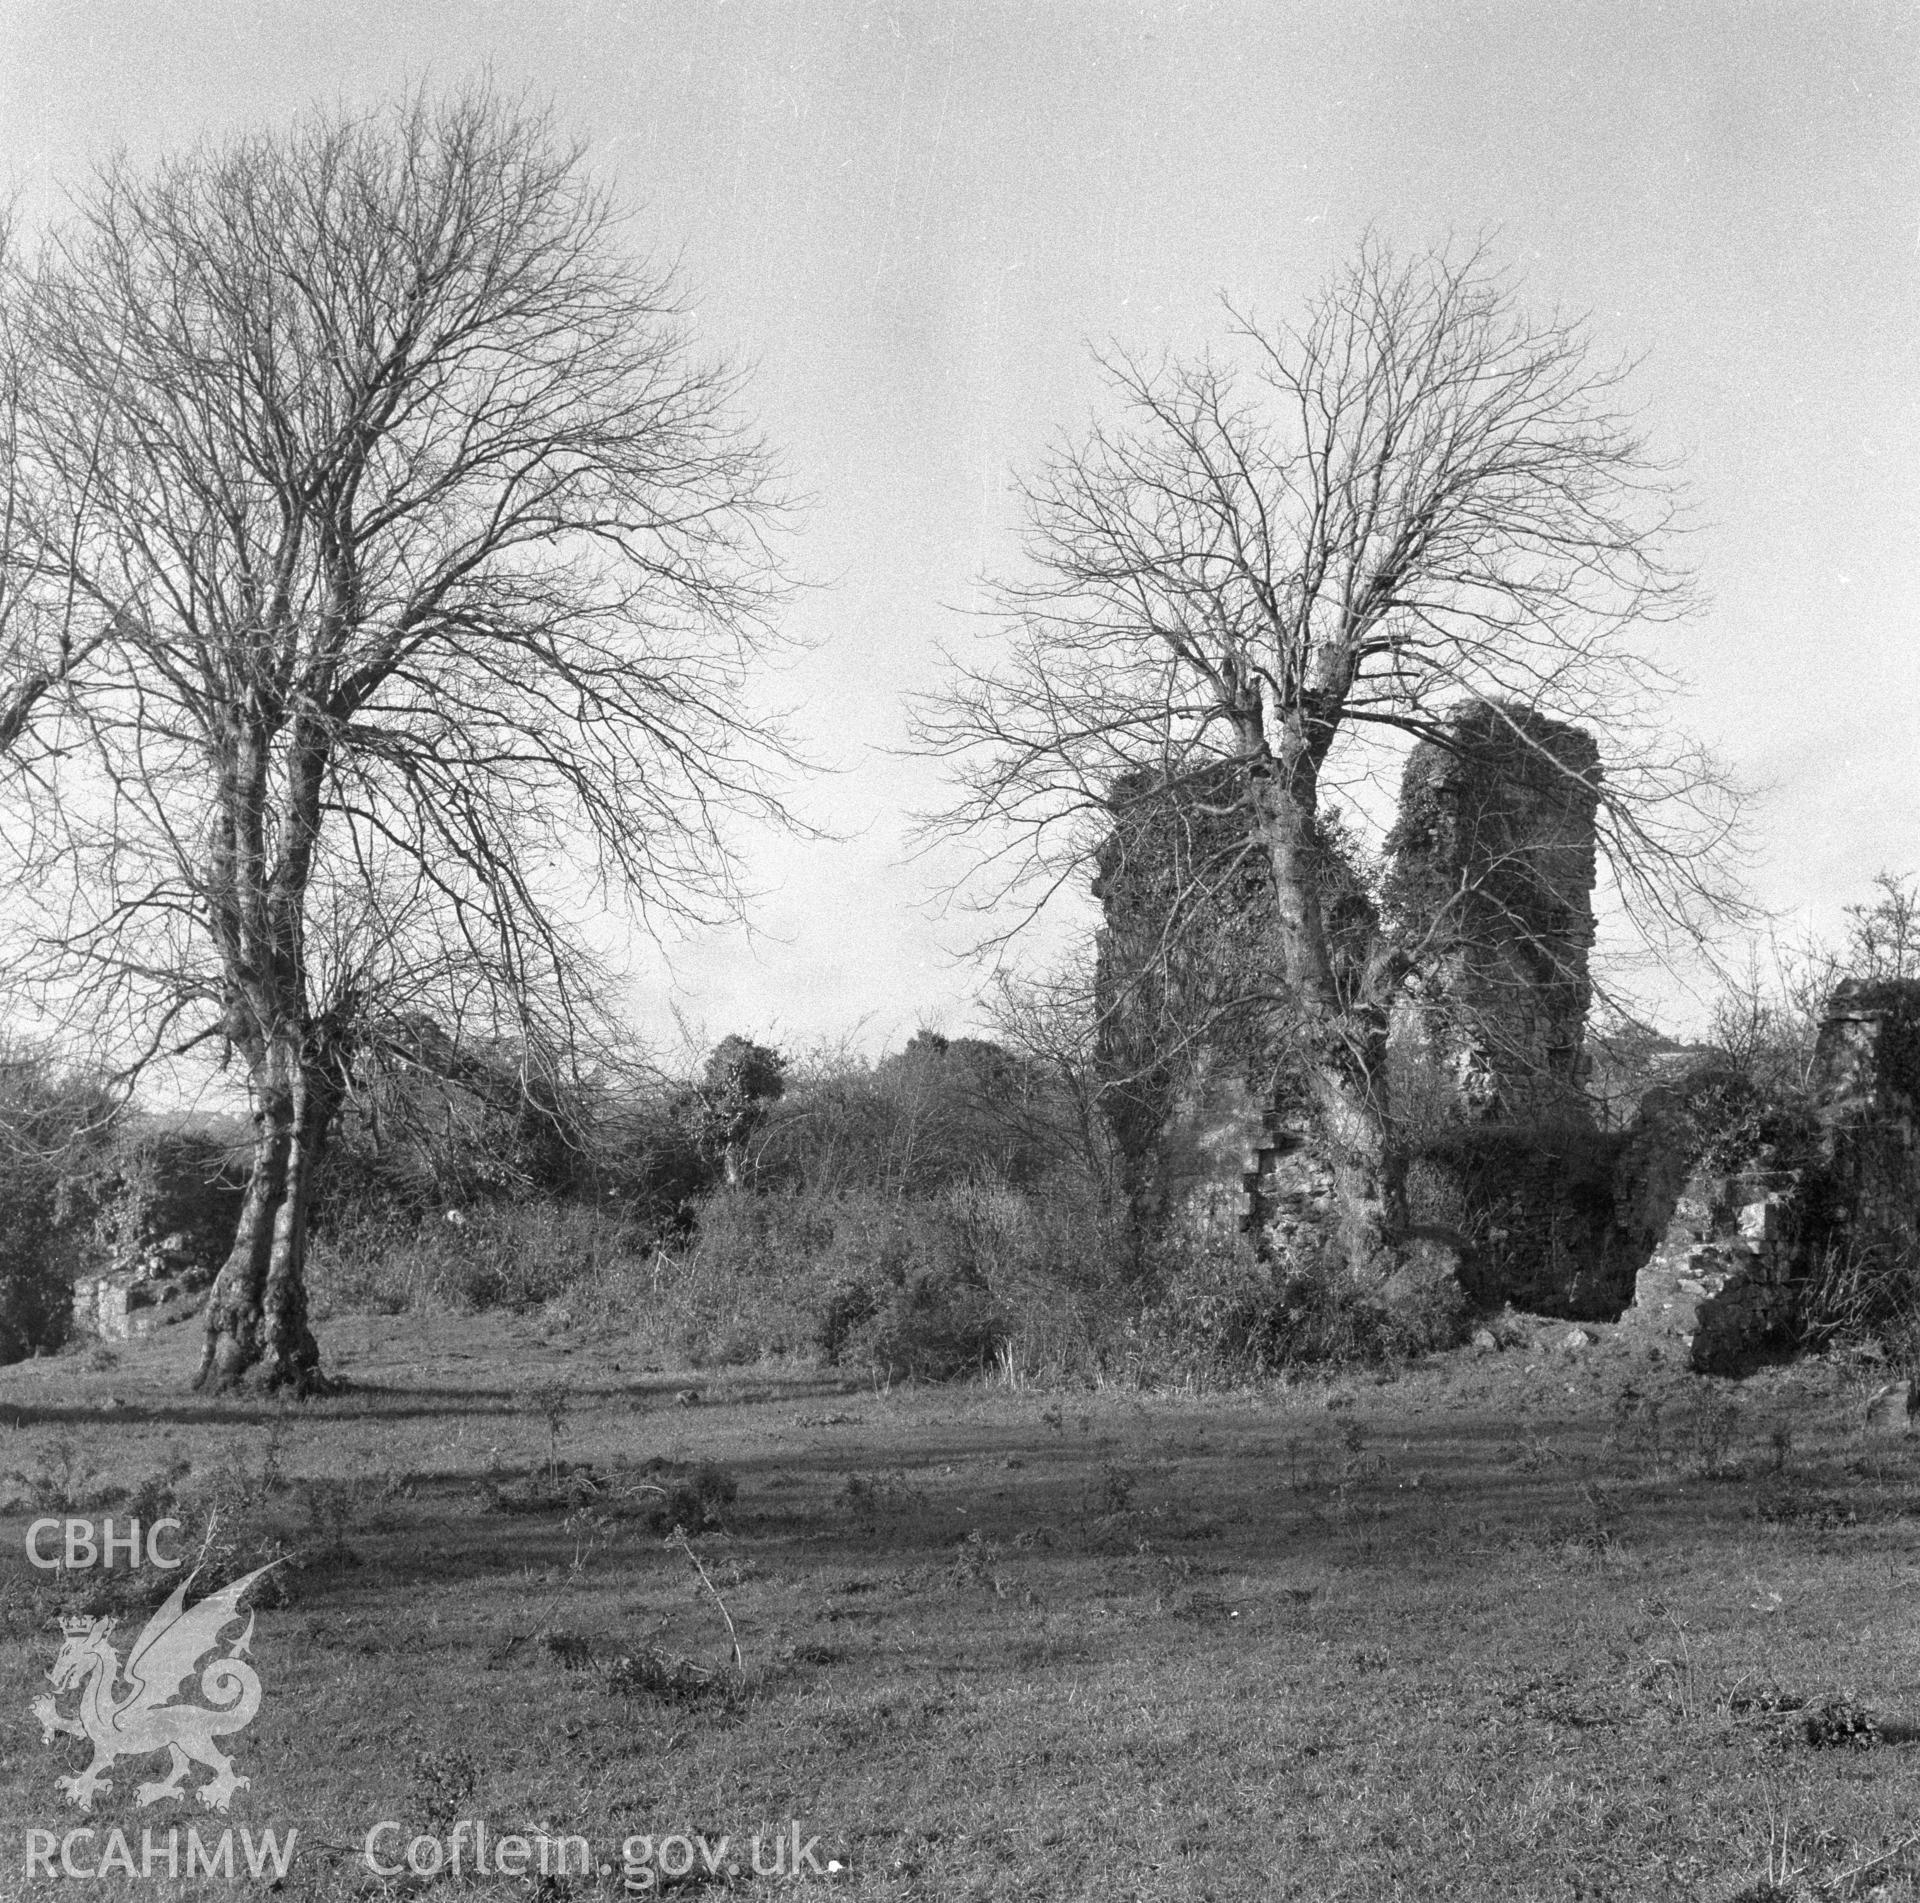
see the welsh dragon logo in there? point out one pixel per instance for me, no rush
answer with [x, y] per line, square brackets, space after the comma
[143, 1718]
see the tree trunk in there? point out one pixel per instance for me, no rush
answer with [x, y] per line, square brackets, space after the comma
[1345, 1037]
[257, 1307]
[291, 1354]
[1369, 1175]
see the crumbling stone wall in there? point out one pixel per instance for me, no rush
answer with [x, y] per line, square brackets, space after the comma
[1707, 1224]
[1493, 864]
[1186, 1080]
[1722, 1289]
[1866, 1088]
[163, 1207]
[1751, 1238]
[1491, 874]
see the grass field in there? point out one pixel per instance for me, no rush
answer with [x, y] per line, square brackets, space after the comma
[1520, 1624]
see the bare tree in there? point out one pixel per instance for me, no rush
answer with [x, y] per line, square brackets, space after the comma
[1277, 564]
[1050, 1021]
[39, 647]
[1883, 937]
[418, 569]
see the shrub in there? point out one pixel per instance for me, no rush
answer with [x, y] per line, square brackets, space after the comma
[365, 1263]
[1225, 1316]
[834, 1133]
[945, 1285]
[1866, 1292]
[940, 1114]
[849, 1308]
[748, 1282]
[923, 1287]
[359, 1183]
[156, 1180]
[653, 1163]
[36, 1294]
[931, 1326]
[439, 1116]
[495, 1255]
[1535, 1206]
[53, 1123]
[697, 1502]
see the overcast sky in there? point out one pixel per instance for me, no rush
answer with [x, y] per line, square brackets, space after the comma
[913, 218]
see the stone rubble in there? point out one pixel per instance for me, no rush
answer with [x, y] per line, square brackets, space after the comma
[1724, 1285]
[159, 1285]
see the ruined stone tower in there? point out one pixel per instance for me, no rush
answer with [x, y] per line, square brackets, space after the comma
[1491, 874]
[1493, 868]
[1186, 910]
[1208, 1112]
